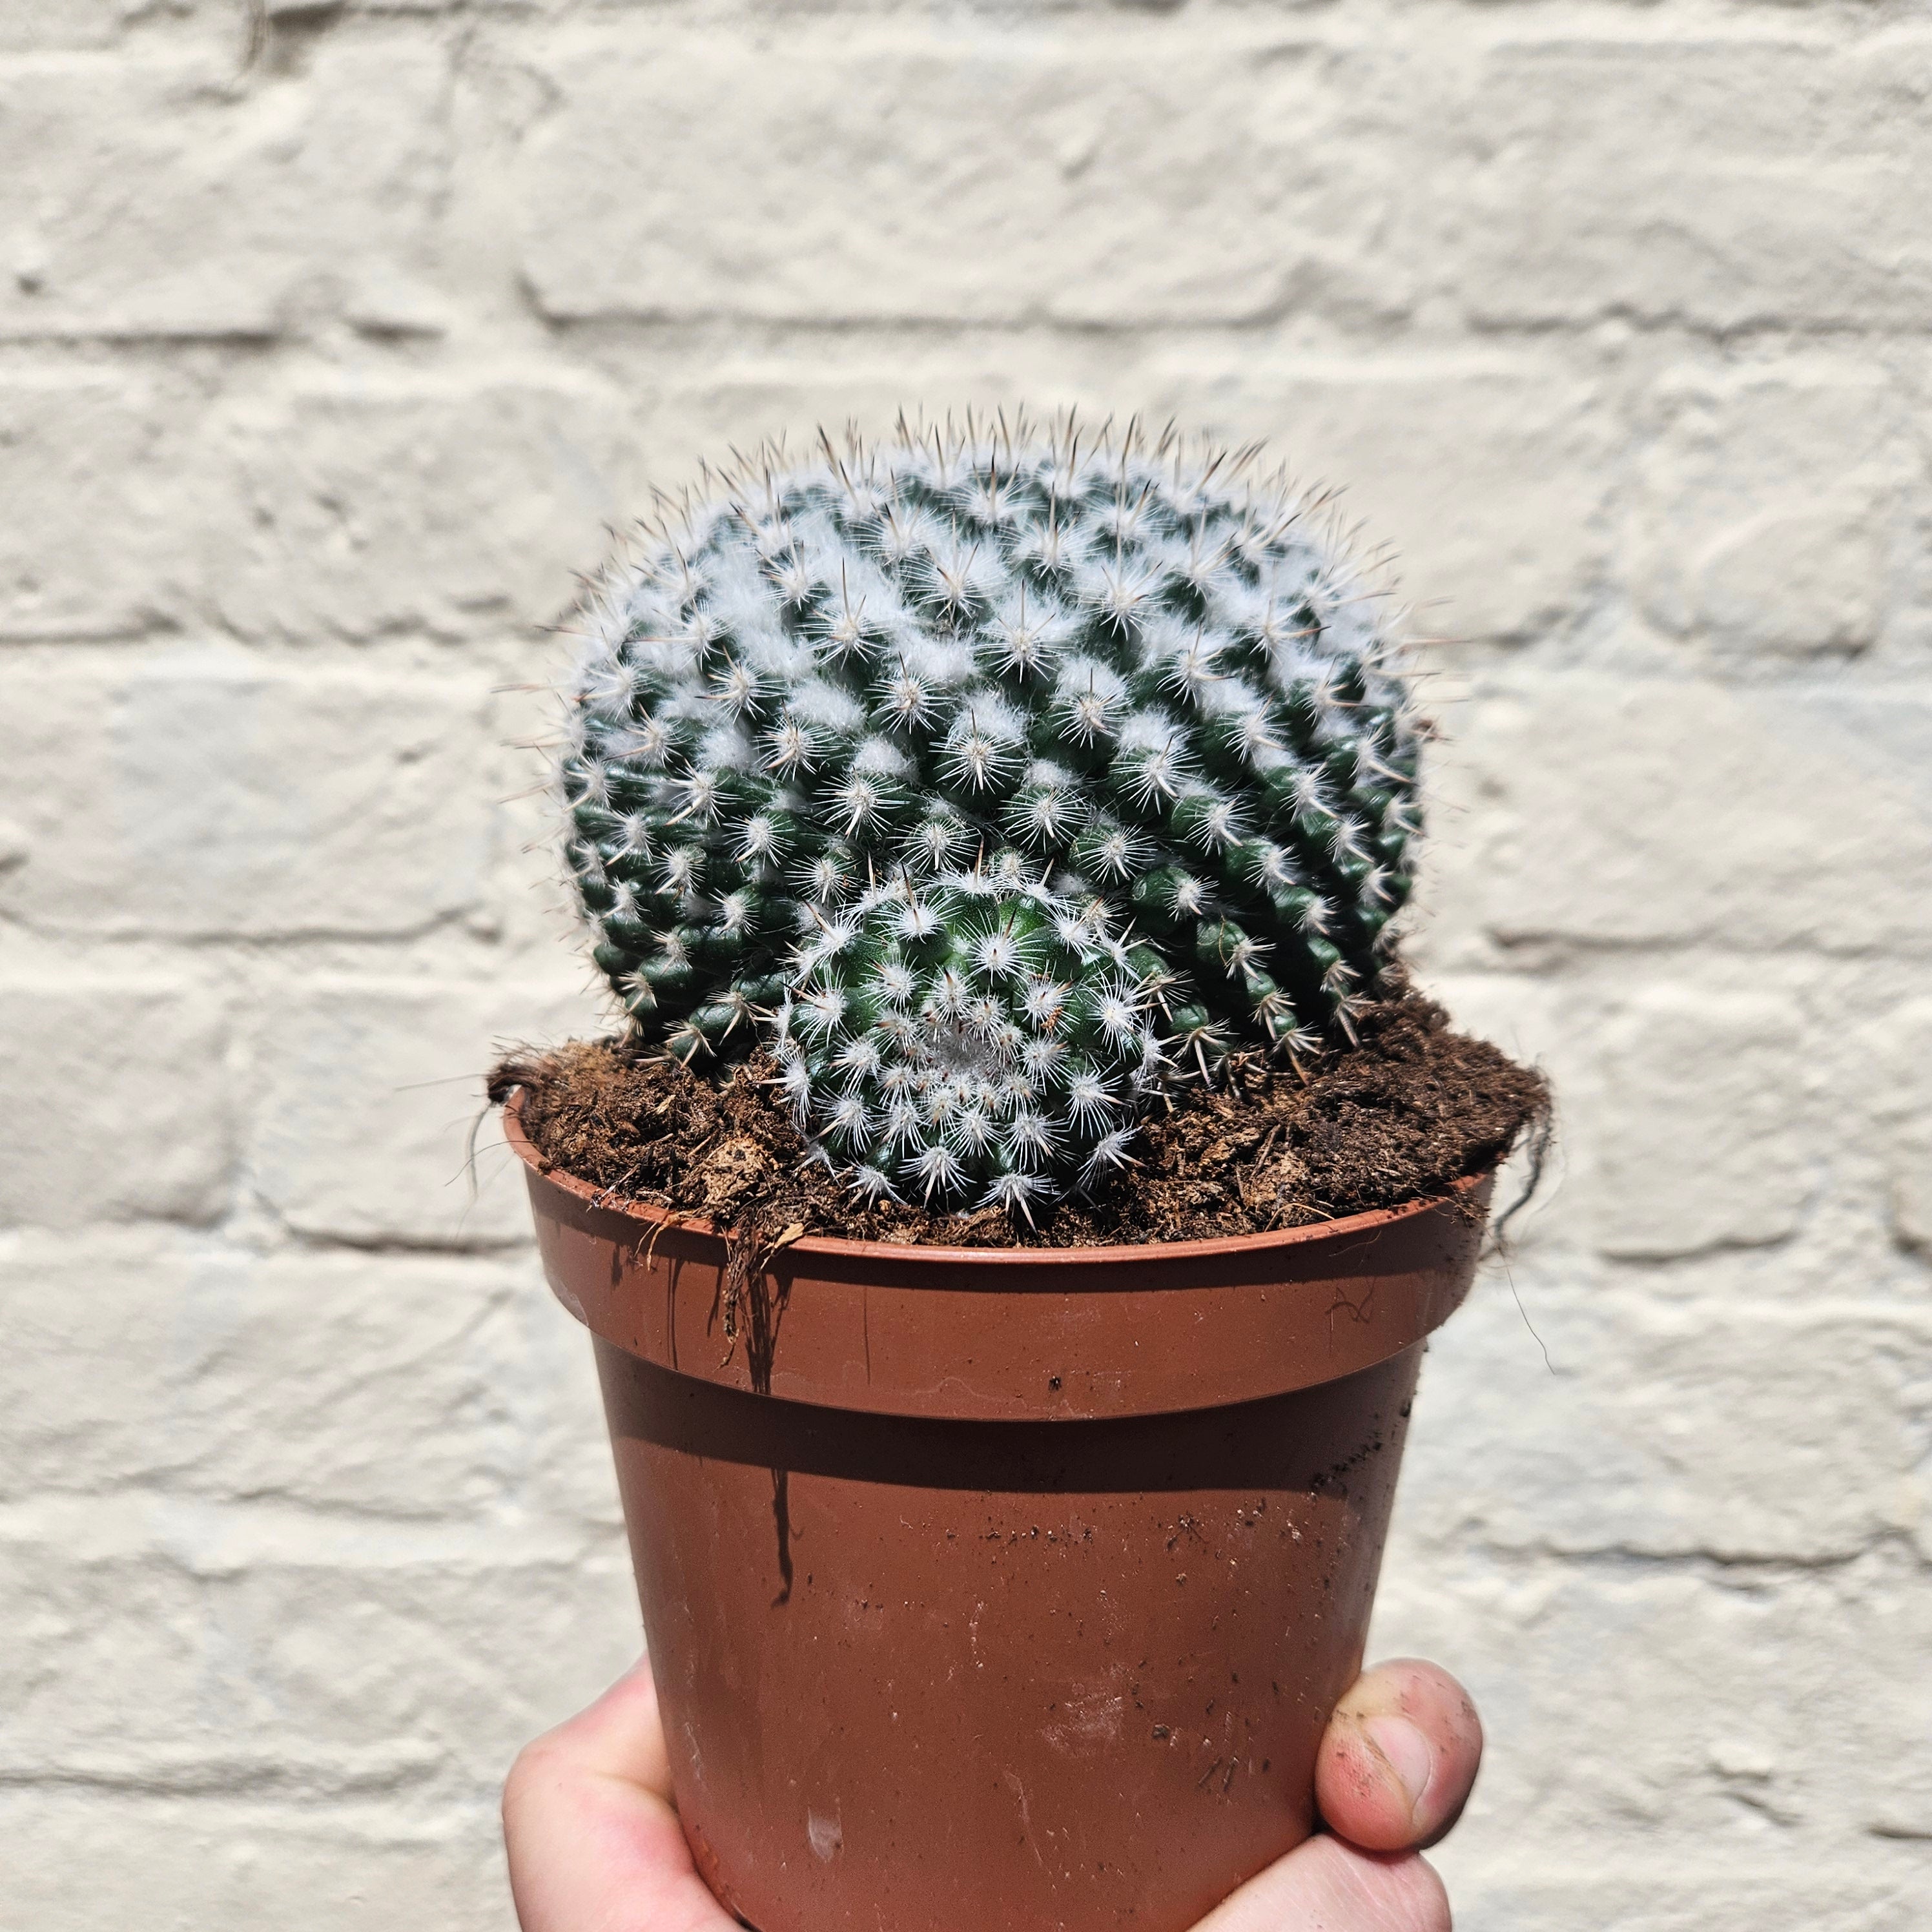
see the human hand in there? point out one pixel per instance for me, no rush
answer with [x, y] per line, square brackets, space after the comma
[594, 1845]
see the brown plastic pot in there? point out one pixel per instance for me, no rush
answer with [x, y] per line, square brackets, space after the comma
[1001, 1590]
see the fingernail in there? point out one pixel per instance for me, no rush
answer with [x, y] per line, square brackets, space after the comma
[1407, 1751]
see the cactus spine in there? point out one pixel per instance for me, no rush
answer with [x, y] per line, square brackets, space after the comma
[992, 780]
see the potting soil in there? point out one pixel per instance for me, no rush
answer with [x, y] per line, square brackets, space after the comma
[1412, 1107]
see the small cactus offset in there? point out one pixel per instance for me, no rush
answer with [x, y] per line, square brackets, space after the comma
[971, 1029]
[992, 781]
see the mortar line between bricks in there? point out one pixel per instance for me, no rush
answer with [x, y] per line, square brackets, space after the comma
[1728, 1564]
[1361, 27]
[614, 326]
[210, 1535]
[212, 1777]
[402, 354]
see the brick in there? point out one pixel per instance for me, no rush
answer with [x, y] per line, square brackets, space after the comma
[370, 1091]
[1139, 175]
[175, 198]
[1772, 512]
[363, 508]
[413, 1390]
[1728, 182]
[1723, 1111]
[1536, 1022]
[1719, 1427]
[1581, 807]
[1702, 1137]
[95, 549]
[329, 1682]
[1489, 484]
[1787, 1889]
[197, 794]
[29, 25]
[114, 1104]
[1895, 1059]
[1705, 1782]
[1695, 1772]
[184, 1864]
[687, 412]
[539, 926]
[1529, 1018]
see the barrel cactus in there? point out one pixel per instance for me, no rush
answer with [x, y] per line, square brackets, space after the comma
[992, 781]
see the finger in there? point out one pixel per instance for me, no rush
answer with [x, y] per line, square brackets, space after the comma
[592, 1840]
[622, 1734]
[1400, 1757]
[1327, 1884]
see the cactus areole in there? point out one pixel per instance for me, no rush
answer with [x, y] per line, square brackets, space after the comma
[992, 781]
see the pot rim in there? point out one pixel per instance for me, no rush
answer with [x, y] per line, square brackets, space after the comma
[1366, 1222]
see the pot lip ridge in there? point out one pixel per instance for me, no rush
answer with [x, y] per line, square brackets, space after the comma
[1366, 1222]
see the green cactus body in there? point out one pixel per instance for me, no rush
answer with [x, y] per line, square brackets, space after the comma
[992, 782]
[972, 1030]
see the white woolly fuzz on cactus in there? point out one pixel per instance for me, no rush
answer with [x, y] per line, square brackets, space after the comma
[994, 777]
[909, 1037]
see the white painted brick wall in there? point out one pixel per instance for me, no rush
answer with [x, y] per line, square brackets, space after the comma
[318, 375]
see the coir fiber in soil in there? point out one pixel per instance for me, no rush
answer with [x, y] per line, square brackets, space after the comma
[1411, 1107]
